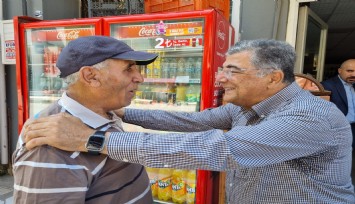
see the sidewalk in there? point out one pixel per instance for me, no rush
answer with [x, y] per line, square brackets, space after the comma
[6, 189]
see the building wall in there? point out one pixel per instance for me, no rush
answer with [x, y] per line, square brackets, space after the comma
[12, 8]
[263, 19]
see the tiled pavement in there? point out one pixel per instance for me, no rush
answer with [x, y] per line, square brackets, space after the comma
[6, 189]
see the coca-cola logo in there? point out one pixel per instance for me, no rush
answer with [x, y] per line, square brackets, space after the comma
[62, 35]
[147, 32]
[221, 35]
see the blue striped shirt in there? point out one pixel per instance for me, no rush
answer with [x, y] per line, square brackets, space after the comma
[290, 148]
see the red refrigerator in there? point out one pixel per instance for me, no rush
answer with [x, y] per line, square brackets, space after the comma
[38, 44]
[191, 45]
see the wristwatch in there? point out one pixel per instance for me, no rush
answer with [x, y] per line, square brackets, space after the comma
[96, 142]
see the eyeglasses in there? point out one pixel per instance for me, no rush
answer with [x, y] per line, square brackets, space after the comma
[228, 72]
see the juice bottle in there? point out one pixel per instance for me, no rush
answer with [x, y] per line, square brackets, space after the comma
[157, 68]
[190, 187]
[171, 93]
[181, 92]
[149, 70]
[179, 186]
[164, 184]
[153, 174]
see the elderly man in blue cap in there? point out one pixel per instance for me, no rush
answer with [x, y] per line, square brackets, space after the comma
[102, 75]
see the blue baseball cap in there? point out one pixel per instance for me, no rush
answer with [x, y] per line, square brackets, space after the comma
[90, 50]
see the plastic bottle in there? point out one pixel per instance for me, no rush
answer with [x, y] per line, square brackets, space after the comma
[190, 67]
[190, 187]
[149, 70]
[147, 91]
[164, 184]
[181, 93]
[181, 69]
[164, 63]
[198, 68]
[191, 94]
[171, 93]
[173, 68]
[179, 186]
[153, 174]
[157, 68]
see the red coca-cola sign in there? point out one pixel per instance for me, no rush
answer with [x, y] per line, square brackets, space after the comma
[136, 31]
[221, 34]
[61, 35]
[74, 34]
[147, 32]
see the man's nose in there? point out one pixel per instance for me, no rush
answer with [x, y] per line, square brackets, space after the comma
[221, 77]
[138, 77]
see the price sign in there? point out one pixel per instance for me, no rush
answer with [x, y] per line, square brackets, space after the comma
[168, 43]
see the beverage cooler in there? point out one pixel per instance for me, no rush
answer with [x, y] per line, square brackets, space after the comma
[191, 45]
[38, 44]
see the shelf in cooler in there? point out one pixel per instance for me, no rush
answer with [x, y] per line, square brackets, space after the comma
[172, 80]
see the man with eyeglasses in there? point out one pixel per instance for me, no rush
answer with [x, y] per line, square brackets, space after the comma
[282, 144]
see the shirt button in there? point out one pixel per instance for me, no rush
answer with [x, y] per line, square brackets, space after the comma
[125, 160]
[231, 184]
[262, 116]
[166, 166]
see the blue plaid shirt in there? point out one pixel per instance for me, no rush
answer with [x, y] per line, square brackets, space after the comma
[290, 148]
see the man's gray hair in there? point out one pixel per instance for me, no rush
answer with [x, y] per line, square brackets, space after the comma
[269, 55]
[71, 79]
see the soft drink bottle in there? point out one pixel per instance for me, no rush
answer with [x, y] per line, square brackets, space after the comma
[173, 68]
[164, 184]
[181, 67]
[191, 186]
[179, 186]
[164, 68]
[198, 68]
[157, 68]
[150, 69]
[46, 61]
[153, 174]
[191, 94]
[190, 67]
[181, 92]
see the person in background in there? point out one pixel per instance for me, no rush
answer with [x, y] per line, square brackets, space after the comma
[102, 75]
[343, 94]
[282, 144]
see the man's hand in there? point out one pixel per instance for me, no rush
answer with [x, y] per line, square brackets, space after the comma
[62, 131]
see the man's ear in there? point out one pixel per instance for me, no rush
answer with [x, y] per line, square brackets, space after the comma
[90, 76]
[276, 77]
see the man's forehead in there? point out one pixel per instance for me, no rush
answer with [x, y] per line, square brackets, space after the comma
[349, 64]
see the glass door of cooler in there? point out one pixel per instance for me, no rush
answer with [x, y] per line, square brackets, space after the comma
[172, 83]
[43, 46]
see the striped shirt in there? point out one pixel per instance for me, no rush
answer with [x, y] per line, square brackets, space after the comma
[49, 175]
[290, 148]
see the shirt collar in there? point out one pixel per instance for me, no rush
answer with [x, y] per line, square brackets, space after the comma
[89, 117]
[268, 105]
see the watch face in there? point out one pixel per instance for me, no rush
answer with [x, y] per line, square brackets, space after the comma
[95, 143]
